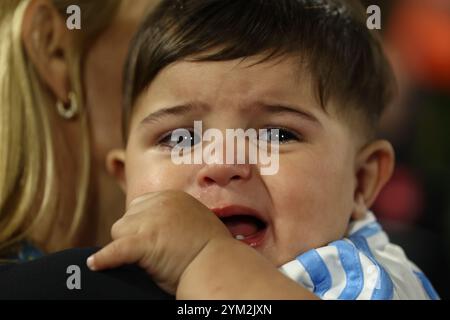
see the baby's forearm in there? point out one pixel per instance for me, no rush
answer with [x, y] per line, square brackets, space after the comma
[228, 269]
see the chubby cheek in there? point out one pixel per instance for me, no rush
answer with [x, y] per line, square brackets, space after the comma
[311, 207]
[152, 173]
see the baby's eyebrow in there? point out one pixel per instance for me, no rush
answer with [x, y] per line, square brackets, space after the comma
[183, 110]
[180, 110]
[296, 111]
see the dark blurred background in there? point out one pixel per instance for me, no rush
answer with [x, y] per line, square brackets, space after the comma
[414, 207]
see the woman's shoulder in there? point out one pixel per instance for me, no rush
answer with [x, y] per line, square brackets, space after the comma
[50, 276]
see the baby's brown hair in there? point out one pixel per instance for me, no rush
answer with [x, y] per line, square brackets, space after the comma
[329, 37]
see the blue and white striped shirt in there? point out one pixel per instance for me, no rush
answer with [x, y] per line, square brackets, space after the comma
[364, 266]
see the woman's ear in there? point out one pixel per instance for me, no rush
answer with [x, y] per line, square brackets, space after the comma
[47, 42]
[374, 167]
[115, 164]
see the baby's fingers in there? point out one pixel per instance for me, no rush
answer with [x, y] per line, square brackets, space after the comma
[127, 250]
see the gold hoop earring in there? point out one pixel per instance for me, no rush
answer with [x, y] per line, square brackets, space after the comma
[70, 111]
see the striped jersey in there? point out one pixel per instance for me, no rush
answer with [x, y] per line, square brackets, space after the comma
[364, 266]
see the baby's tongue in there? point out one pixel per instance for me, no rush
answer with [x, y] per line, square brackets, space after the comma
[241, 225]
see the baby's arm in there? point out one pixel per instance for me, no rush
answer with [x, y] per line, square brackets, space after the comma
[229, 269]
[190, 253]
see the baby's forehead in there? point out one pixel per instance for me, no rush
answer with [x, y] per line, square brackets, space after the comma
[240, 82]
[252, 90]
[257, 70]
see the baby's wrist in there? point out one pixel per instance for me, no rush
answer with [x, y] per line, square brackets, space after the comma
[194, 280]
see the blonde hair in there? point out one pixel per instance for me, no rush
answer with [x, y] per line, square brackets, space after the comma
[29, 189]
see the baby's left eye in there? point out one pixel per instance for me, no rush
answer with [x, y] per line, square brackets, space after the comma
[181, 137]
[283, 135]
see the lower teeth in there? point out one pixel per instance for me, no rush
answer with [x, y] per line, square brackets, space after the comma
[239, 237]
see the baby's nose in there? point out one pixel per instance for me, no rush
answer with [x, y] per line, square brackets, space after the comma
[223, 174]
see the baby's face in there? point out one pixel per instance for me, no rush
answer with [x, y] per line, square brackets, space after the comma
[307, 203]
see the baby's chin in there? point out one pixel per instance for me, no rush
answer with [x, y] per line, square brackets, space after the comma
[280, 255]
[276, 256]
[276, 259]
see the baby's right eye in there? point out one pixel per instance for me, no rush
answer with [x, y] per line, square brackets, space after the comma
[181, 137]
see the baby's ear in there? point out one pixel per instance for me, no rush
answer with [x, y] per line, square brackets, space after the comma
[115, 164]
[374, 167]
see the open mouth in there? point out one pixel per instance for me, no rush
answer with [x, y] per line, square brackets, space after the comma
[243, 224]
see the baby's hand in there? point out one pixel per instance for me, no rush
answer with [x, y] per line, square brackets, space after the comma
[162, 232]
